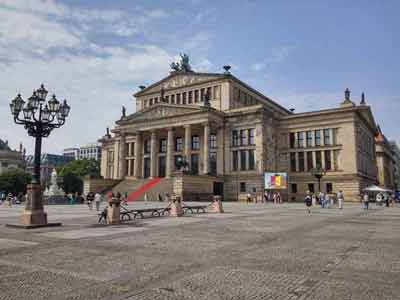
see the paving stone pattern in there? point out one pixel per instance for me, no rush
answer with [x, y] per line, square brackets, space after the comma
[253, 251]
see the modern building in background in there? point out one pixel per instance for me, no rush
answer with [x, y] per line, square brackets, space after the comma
[230, 134]
[89, 151]
[396, 164]
[11, 159]
[47, 163]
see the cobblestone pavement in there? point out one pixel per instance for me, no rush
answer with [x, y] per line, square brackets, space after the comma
[253, 251]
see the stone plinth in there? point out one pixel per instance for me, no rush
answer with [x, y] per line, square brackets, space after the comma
[176, 207]
[113, 211]
[217, 205]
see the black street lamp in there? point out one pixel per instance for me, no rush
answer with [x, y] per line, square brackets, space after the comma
[318, 173]
[39, 119]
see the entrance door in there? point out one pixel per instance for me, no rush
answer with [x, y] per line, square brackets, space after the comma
[161, 166]
[213, 163]
[194, 164]
[146, 167]
[219, 189]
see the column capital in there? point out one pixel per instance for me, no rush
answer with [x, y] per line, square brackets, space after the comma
[187, 125]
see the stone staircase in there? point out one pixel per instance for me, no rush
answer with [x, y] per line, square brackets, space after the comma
[132, 185]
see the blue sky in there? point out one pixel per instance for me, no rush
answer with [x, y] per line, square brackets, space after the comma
[303, 54]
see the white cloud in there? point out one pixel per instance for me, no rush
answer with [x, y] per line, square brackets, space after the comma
[198, 41]
[277, 55]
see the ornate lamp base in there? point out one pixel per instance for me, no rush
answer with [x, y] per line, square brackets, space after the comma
[33, 217]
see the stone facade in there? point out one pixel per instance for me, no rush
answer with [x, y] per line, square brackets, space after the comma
[230, 134]
[11, 159]
[385, 161]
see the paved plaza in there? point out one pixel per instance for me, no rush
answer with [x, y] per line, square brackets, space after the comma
[253, 251]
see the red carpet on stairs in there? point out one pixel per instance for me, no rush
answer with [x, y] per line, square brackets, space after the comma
[134, 195]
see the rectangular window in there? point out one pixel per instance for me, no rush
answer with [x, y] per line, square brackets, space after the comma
[318, 160]
[172, 99]
[146, 147]
[243, 137]
[300, 139]
[235, 138]
[310, 162]
[151, 102]
[317, 137]
[329, 187]
[234, 161]
[251, 136]
[178, 98]
[309, 138]
[190, 99]
[294, 188]
[328, 161]
[209, 92]
[196, 96]
[301, 161]
[293, 162]
[292, 138]
[243, 160]
[178, 144]
[202, 95]
[311, 188]
[127, 153]
[163, 145]
[195, 142]
[243, 187]
[213, 141]
[327, 137]
[252, 162]
[184, 98]
[167, 99]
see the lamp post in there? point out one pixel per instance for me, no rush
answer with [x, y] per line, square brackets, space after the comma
[39, 119]
[318, 173]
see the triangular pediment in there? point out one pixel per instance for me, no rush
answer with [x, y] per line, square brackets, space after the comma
[161, 110]
[179, 79]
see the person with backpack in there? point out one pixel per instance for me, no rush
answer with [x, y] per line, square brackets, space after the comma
[308, 202]
[340, 198]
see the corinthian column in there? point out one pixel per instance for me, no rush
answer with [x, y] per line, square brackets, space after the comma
[122, 158]
[153, 154]
[138, 156]
[188, 140]
[206, 148]
[170, 153]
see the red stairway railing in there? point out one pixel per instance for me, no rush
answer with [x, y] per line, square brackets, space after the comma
[134, 195]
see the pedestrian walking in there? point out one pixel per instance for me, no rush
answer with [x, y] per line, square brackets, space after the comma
[89, 200]
[279, 197]
[146, 198]
[366, 201]
[340, 198]
[313, 200]
[327, 200]
[97, 200]
[248, 198]
[322, 199]
[125, 199]
[308, 202]
[9, 199]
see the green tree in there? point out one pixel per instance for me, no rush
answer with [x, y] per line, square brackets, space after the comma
[72, 174]
[14, 181]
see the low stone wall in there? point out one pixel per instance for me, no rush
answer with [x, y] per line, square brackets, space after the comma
[98, 184]
[194, 188]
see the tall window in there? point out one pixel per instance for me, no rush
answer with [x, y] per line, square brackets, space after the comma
[293, 162]
[202, 95]
[294, 188]
[252, 162]
[196, 96]
[311, 187]
[301, 161]
[243, 187]
[234, 161]
[178, 98]
[184, 98]
[243, 137]
[251, 136]
[317, 137]
[327, 137]
[318, 159]
[172, 99]
[328, 161]
[146, 146]
[292, 137]
[243, 160]
[235, 138]
[213, 141]
[178, 144]
[163, 145]
[310, 161]
[309, 138]
[190, 99]
[300, 138]
[195, 142]
[329, 187]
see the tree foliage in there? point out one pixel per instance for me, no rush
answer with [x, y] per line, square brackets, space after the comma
[14, 181]
[72, 174]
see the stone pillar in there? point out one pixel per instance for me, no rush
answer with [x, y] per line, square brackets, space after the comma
[122, 156]
[206, 148]
[169, 164]
[323, 159]
[153, 155]
[113, 211]
[34, 213]
[220, 151]
[188, 143]
[138, 156]
[297, 162]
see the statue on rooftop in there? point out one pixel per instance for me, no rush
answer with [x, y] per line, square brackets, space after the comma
[183, 65]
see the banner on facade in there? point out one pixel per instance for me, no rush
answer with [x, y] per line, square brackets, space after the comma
[275, 181]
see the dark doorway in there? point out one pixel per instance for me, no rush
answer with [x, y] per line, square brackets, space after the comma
[213, 163]
[194, 164]
[146, 167]
[161, 166]
[219, 189]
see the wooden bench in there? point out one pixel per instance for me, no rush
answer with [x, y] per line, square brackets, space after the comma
[127, 215]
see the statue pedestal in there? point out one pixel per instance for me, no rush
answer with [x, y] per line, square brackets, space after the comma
[217, 205]
[33, 215]
[176, 207]
[113, 211]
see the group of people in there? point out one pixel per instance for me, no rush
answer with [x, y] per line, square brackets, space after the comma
[11, 199]
[325, 200]
[386, 199]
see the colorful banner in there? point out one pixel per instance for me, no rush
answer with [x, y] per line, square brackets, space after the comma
[275, 181]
